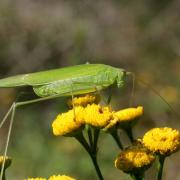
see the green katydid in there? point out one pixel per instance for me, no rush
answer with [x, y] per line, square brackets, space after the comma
[74, 80]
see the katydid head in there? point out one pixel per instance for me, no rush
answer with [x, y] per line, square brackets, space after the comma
[121, 75]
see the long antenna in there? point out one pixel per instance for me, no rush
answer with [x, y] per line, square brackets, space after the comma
[131, 101]
[153, 90]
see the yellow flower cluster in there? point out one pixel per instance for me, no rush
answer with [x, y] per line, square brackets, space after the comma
[7, 161]
[84, 100]
[71, 121]
[87, 112]
[134, 159]
[162, 140]
[54, 177]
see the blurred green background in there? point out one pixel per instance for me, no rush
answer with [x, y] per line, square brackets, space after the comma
[140, 36]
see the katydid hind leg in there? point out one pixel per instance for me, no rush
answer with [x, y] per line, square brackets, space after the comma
[11, 111]
[8, 138]
[6, 116]
[22, 103]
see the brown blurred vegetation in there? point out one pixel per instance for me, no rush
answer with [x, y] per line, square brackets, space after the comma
[141, 36]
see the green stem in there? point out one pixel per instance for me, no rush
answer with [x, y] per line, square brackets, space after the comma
[90, 136]
[114, 134]
[160, 166]
[137, 176]
[80, 138]
[94, 160]
[96, 136]
[93, 156]
[4, 176]
[129, 133]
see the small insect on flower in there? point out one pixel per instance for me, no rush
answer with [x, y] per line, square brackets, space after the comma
[134, 159]
[164, 141]
[61, 177]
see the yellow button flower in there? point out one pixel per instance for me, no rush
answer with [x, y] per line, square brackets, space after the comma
[84, 100]
[68, 122]
[125, 115]
[61, 177]
[7, 162]
[134, 159]
[129, 114]
[97, 116]
[162, 140]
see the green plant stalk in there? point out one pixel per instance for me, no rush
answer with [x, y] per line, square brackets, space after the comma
[160, 166]
[94, 160]
[4, 176]
[137, 177]
[129, 133]
[115, 136]
[90, 136]
[96, 136]
[91, 153]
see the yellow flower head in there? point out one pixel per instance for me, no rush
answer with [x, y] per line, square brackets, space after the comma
[134, 159]
[125, 115]
[129, 113]
[162, 140]
[37, 178]
[61, 177]
[84, 100]
[7, 162]
[67, 123]
[96, 115]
